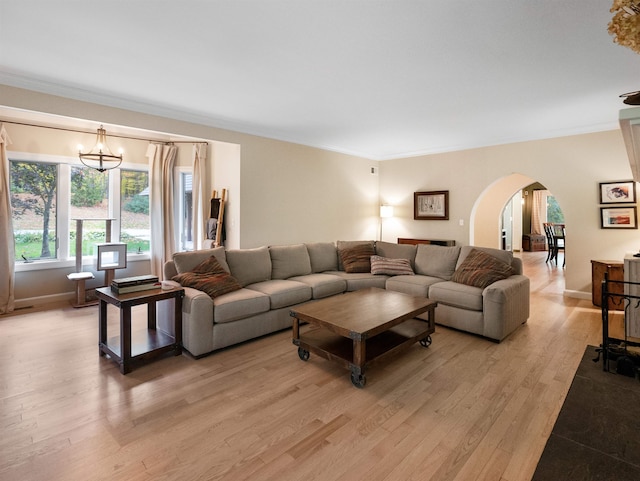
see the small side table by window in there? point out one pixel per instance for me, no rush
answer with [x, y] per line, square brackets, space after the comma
[156, 343]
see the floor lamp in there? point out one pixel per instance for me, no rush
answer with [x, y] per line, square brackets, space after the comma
[386, 211]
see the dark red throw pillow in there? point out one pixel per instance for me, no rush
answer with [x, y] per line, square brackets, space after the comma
[480, 269]
[357, 258]
[210, 277]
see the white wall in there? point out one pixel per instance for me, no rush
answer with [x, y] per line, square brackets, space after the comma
[570, 167]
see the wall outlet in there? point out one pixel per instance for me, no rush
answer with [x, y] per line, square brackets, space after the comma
[461, 222]
[374, 171]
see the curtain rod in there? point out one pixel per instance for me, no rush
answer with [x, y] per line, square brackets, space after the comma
[166, 142]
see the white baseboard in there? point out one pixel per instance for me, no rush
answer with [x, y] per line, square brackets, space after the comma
[42, 300]
[578, 294]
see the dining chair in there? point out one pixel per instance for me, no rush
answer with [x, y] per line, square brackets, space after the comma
[548, 232]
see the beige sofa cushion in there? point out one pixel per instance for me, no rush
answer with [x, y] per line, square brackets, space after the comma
[323, 256]
[288, 261]
[436, 261]
[458, 295]
[417, 286]
[187, 261]
[249, 266]
[396, 251]
[323, 285]
[282, 292]
[239, 304]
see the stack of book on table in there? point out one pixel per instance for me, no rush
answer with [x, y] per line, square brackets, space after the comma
[135, 284]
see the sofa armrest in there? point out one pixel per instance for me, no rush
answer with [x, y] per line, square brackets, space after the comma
[169, 270]
[197, 320]
[505, 306]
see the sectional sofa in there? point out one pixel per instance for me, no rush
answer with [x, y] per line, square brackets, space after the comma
[479, 290]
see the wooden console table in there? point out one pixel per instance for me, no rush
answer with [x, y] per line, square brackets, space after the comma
[153, 343]
[438, 242]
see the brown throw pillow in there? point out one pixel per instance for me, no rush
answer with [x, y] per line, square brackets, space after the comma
[391, 267]
[357, 258]
[210, 277]
[480, 269]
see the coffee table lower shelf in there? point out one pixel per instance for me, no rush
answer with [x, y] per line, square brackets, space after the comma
[343, 350]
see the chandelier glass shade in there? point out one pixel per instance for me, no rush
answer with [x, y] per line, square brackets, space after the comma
[100, 156]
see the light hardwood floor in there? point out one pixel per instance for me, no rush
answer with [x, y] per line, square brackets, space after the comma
[463, 409]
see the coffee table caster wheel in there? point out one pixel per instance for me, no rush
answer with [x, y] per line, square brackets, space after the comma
[303, 354]
[426, 342]
[358, 380]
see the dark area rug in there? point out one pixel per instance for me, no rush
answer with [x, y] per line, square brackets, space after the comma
[597, 433]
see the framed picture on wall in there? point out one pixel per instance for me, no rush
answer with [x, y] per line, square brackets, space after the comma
[618, 218]
[431, 205]
[623, 192]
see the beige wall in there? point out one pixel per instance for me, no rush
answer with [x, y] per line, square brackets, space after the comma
[570, 167]
[278, 192]
[281, 192]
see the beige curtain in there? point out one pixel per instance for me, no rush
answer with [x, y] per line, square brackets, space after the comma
[7, 243]
[161, 161]
[539, 211]
[200, 207]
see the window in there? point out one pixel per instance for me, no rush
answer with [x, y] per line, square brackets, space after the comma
[89, 199]
[34, 191]
[134, 210]
[554, 213]
[49, 192]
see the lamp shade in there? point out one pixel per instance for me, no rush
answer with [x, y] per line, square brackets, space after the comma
[386, 211]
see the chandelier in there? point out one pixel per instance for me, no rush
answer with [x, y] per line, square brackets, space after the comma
[100, 156]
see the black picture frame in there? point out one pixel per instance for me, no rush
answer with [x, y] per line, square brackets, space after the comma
[622, 192]
[618, 217]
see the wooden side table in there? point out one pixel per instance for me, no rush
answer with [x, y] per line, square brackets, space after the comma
[155, 343]
[615, 271]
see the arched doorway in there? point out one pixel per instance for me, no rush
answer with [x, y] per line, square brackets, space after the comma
[502, 213]
[485, 224]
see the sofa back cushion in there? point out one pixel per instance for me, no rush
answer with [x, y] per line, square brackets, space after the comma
[323, 256]
[396, 251]
[362, 250]
[187, 261]
[249, 266]
[436, 261]
[289, 261]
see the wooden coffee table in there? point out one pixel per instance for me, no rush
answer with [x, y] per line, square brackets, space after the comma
[359, 328]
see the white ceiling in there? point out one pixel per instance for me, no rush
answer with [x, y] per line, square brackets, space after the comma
[380, 79]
